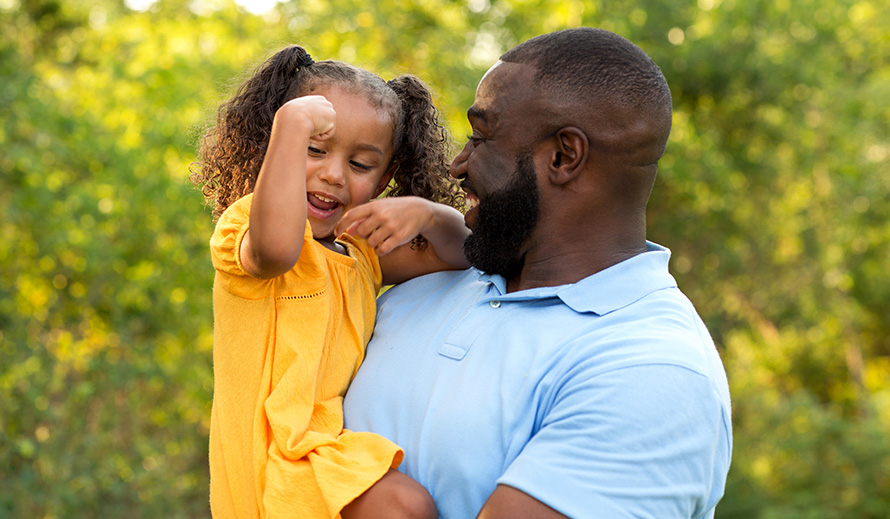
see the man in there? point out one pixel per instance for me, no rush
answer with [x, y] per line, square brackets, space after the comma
[564, 375]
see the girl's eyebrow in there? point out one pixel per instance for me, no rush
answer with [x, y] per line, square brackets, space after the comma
[371, 148]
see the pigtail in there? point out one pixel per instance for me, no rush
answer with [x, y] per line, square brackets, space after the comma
[421, 163]
[232, 152]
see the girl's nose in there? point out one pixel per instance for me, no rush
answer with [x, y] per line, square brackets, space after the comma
[334, 173]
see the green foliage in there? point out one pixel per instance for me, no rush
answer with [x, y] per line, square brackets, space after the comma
[772, 195]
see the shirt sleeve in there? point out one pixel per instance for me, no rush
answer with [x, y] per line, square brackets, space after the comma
[225, 247]
[640, 441]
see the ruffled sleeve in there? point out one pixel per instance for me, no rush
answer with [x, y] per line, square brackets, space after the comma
[225, 247]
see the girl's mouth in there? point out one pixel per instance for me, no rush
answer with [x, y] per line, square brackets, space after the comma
[322, 206]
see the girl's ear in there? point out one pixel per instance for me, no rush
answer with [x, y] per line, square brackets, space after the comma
[384, 181]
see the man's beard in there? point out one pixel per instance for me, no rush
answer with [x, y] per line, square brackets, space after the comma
[504, 221]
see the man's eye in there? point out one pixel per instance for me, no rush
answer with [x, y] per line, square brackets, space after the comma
[474, 139]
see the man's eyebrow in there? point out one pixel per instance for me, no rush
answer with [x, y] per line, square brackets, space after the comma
[477, 113]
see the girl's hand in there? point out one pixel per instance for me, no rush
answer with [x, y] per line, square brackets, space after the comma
[387, 223]
[316, 112]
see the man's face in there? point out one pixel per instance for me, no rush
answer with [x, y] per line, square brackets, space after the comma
[504, 221]
[498, 169]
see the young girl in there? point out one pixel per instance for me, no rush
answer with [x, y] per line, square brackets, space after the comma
[299, 146]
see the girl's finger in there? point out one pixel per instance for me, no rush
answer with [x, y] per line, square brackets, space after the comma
[383, 248]
[348, 223]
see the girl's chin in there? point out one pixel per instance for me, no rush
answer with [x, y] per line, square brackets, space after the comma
[322, 230]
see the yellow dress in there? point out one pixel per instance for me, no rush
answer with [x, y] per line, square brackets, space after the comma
[284, 353]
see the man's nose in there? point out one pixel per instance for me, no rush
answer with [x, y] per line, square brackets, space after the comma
[459, 164]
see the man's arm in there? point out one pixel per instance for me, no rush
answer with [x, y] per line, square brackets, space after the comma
[645, 440]
[508, 503]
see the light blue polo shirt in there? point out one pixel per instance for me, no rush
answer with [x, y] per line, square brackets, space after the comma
[605, 398]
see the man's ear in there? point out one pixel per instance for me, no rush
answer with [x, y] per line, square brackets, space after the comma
[384, 181]
[569, 155]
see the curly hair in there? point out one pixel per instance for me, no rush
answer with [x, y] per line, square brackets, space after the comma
[231, 152]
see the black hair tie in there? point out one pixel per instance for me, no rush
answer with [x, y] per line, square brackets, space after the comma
[305, 60]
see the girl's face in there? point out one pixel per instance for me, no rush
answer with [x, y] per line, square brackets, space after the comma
[351, 167]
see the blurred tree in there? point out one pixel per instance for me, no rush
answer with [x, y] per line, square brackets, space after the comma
[105, 331]
[772, 196]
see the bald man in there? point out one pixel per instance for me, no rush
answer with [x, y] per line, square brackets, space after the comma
[565, 374]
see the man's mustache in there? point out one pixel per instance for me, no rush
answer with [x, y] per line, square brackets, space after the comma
[467, 186]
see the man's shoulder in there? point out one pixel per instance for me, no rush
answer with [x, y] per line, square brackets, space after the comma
[661, 327]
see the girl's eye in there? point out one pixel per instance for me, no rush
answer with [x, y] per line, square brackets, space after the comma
[315, 151]
[474, 139]
[361, 166]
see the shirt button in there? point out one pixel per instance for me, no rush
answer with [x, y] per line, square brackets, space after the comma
[495, 303]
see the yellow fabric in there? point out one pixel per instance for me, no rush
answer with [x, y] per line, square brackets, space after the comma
[284, 352]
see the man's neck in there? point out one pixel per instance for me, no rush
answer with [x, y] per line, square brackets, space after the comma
[569, 259]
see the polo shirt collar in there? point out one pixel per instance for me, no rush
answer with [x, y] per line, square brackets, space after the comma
[607, 290]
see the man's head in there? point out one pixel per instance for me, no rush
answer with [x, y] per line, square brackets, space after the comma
[585, 71]
[588, 113]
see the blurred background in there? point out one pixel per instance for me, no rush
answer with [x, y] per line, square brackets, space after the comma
[773, 196]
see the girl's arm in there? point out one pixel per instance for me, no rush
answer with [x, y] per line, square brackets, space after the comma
[274, 240]
[389, 225]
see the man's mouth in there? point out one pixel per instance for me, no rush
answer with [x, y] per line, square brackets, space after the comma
[472, 207]
[472, 197]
